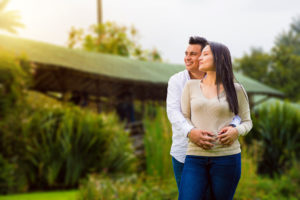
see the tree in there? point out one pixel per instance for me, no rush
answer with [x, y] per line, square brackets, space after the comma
[285, 70]
[291, 38]
[111, 38]
[281, 67]
[255, 65]
[9, 20]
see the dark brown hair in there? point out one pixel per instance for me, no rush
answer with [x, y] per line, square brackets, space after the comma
[224, 74]
[198, 40]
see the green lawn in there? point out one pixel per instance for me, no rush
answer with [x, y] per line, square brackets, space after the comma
[57, 195]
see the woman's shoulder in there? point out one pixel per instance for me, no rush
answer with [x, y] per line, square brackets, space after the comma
[240, 90]
[239, 87]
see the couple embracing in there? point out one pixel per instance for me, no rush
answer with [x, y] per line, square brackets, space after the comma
[208, 111]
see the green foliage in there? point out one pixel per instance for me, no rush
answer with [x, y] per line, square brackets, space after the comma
[9, 20]
[67, 142]
[131, 187]
[13, 81]
[253, 186]
[158, 140]
[56, 195]
[64, 144]
[111, 38]
[6, 175]
[285, 71]
[281, 67]
[53, 145]
[119, 155]
[255, 65]
[10, 179]
[276, 127]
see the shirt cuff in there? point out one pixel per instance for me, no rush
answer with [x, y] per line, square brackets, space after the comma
[186, 129]
[236, 121]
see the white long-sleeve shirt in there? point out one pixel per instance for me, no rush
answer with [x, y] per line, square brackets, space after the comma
[180, 126]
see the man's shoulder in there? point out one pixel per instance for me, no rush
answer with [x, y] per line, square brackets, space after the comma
[182, 75]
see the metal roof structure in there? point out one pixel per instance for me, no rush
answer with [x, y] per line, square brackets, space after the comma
[60, 69]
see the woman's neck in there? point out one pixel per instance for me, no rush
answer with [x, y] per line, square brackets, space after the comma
[196, 75]
[210, 78]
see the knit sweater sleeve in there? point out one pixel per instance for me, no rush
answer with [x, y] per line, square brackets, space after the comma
[244, 110]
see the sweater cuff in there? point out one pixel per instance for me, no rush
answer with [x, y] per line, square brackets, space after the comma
[240, 130]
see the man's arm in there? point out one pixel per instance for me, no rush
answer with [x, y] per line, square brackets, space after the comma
[174, 113]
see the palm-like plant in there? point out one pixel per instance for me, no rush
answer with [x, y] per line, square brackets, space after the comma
[9, 20]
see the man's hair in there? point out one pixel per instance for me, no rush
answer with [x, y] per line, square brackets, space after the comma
[198, 40]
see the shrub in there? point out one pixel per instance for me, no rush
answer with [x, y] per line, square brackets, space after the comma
[276, 127]
[51, 144]
[6, 176]
[10, 180]
[64, 144]
[130, 187]
[13, 80]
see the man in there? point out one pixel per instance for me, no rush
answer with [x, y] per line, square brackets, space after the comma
[182, 130]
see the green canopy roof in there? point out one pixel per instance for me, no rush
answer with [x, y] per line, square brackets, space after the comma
[69, 66]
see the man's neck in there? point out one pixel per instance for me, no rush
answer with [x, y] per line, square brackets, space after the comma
[196, 75]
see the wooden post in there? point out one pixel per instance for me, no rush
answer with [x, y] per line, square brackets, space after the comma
[99, 8]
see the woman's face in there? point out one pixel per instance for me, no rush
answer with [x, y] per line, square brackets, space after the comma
[206, 60]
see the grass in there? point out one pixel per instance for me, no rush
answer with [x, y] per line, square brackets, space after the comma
[158, 140]
[57, 195]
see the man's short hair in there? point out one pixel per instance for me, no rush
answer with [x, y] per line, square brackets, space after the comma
[198, 40]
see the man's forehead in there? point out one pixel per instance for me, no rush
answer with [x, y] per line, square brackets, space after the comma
[194, 48]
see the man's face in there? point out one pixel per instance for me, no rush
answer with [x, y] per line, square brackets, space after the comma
[191, 59]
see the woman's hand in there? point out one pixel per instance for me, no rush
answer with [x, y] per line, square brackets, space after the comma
[228, 135]
[203, 139]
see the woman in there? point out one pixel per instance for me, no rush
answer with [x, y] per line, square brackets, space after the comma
[210, 104]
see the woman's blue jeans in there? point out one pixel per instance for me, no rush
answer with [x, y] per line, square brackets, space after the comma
[221, 174]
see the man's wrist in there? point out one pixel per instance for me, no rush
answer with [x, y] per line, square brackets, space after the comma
[189, 133]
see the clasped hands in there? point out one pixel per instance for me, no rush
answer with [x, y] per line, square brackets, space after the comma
[206, 139]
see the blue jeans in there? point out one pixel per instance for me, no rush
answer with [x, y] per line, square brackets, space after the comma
[221, 174]
[178, 168]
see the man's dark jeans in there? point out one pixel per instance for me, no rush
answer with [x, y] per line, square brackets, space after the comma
[178, 168]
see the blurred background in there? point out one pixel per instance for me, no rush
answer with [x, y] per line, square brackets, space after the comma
[83, 87]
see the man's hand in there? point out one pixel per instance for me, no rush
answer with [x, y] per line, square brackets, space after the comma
[228, 135]
[203, 139]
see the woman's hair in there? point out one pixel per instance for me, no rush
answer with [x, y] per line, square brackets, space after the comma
[224, 74]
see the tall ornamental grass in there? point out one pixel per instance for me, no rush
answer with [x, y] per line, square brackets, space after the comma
[158, 140]
[63, 145]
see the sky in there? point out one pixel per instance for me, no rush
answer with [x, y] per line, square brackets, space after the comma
[164, 24]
